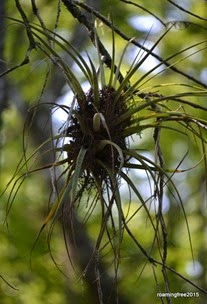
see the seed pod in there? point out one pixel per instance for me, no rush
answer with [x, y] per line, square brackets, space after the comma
[96, 122]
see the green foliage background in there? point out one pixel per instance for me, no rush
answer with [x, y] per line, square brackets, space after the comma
[42, 282]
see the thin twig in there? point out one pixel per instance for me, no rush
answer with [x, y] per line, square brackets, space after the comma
[186, 11]
[145, 10]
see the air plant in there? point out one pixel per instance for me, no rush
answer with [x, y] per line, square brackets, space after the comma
[94, 153]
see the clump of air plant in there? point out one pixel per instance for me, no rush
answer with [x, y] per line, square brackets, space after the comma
[93, 127]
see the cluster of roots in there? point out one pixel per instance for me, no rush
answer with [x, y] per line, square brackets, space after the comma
[92, 124]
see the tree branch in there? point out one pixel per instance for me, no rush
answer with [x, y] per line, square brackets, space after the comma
[127, 38]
